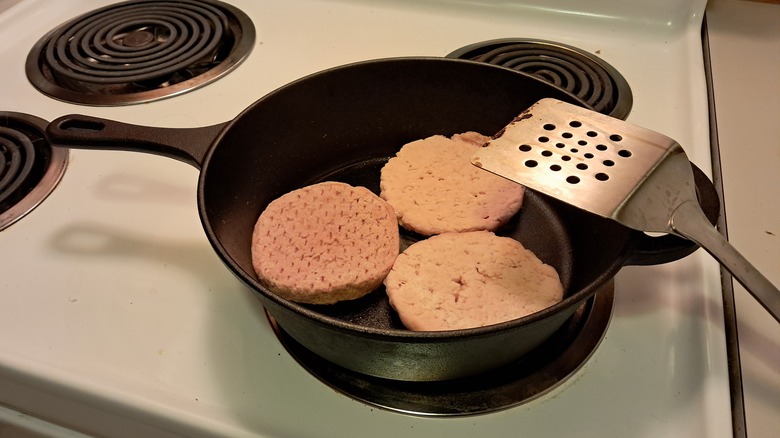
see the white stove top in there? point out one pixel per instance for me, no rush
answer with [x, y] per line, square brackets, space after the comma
[118, 319]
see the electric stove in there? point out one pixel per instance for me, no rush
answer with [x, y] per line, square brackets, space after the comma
[118, 319]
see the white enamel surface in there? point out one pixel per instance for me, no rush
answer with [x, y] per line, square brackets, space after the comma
[117, 317]
[745, 46]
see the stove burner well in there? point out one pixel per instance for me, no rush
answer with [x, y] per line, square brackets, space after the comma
[531, 376]
[29, 167]
[580, 73]
[139, 51]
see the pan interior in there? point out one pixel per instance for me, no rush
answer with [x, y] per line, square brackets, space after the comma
[343, 124]
[538, 227]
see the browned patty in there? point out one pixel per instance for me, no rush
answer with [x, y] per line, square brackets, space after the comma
[325, 243]
[434, 188]
[464, 280]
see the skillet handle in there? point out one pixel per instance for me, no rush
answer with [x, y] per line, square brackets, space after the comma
[189, 145]
[658, 250]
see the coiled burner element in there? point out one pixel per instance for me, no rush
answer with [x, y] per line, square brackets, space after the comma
[578, 72]
[29, 167]
[140, 50]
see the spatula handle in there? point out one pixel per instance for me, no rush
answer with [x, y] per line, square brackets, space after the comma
[689, 221]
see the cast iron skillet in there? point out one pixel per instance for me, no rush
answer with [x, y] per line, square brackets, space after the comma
[343, 124]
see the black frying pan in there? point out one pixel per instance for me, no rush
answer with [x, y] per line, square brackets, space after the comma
[343, 124]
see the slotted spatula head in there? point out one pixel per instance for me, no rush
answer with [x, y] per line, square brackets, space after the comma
[595, 162]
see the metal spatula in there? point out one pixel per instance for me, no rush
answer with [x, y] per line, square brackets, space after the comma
[617, 170]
